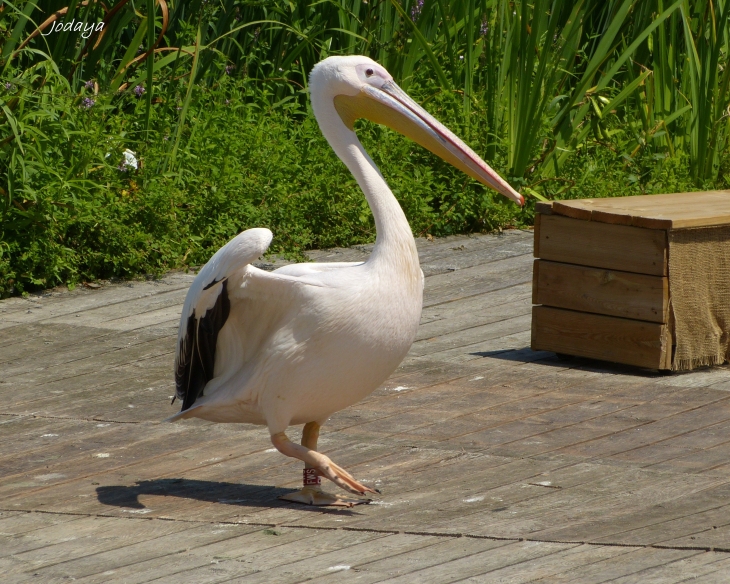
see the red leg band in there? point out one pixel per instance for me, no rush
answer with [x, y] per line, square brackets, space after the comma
[311, 477]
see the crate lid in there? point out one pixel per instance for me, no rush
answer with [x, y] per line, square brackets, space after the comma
[672, 211]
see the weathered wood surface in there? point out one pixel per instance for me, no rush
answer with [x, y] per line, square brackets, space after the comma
[496, 463]
[670, 211]
[600, 245]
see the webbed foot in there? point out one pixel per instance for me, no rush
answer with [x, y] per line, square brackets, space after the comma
[314, 495]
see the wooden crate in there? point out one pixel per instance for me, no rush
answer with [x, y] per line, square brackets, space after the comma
[601, 280]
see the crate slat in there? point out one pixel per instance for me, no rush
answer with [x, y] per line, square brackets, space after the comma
[601, 245]
[599, 291]
[670, 211]
[608, 338]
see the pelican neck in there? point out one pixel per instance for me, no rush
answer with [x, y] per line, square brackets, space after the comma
[393, 233]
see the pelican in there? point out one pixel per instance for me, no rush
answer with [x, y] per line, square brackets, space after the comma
[298, 344]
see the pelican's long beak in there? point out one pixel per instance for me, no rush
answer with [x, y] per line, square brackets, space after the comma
[392, 107]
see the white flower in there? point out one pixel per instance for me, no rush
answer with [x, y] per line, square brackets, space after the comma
[130, 158]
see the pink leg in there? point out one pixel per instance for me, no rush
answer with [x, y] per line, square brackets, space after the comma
[315, 465]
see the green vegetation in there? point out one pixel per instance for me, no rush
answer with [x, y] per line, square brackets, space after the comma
[566, 99]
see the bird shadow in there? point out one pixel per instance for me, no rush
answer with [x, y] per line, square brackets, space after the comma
[237, 494]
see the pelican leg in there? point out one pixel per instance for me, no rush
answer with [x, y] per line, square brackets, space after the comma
[316, 465]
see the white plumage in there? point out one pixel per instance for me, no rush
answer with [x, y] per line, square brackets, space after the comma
[298, 344]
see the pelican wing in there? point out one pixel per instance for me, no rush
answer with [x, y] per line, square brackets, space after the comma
[196, 357]
[206, 310]
[314, 268]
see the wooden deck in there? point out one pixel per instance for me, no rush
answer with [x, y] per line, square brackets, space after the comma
[496, 464]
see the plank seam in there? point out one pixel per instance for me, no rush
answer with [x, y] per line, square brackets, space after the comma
[118, 302]
[142, 422]
[70, 349]
[113, 367]
[385, 531]
[426, 305]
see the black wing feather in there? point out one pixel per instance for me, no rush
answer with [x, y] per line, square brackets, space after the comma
[197, 352]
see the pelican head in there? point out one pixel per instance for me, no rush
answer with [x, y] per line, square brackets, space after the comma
[360, 88]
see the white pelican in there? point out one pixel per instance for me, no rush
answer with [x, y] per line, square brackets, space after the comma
[298, 344]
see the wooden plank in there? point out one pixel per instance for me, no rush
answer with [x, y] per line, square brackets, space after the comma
[720, 574]
[610, 418]
[496, 275]
[32, 442]
[470, 487]
[544, 207]
[608, 338]
[670, 211]
[600, 245]
[685, 570]
[439, 551]
[714, 536]
[38, 340]
[461, 258]
[15, 431]
[28, 476]
[315, 554]
[629, 563]
[413, 499]
[520, 508]
[662, 454]
[81, 300]
[131, 570]
[654, 523]
[497, 328]
[590, 512]
[474, 311]
[55, 357]
[546, 567]
[593, 511]
[125, 355]
[440, 248]
[16, 525]
[149, 369]
[303, 565]
[713, 460]
[479, 566]
[336, 254]
[82, 538]
[102, 561]
[677, 424]
[496, 407]
[599, 291]
[107, 313]
[575, 423]
[692, 527]
[512, 337]
[434, 251]
[35, 531]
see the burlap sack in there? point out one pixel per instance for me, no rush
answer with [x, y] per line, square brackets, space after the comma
[699, 290]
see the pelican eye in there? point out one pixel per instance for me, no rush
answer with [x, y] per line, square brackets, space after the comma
[369, 72]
